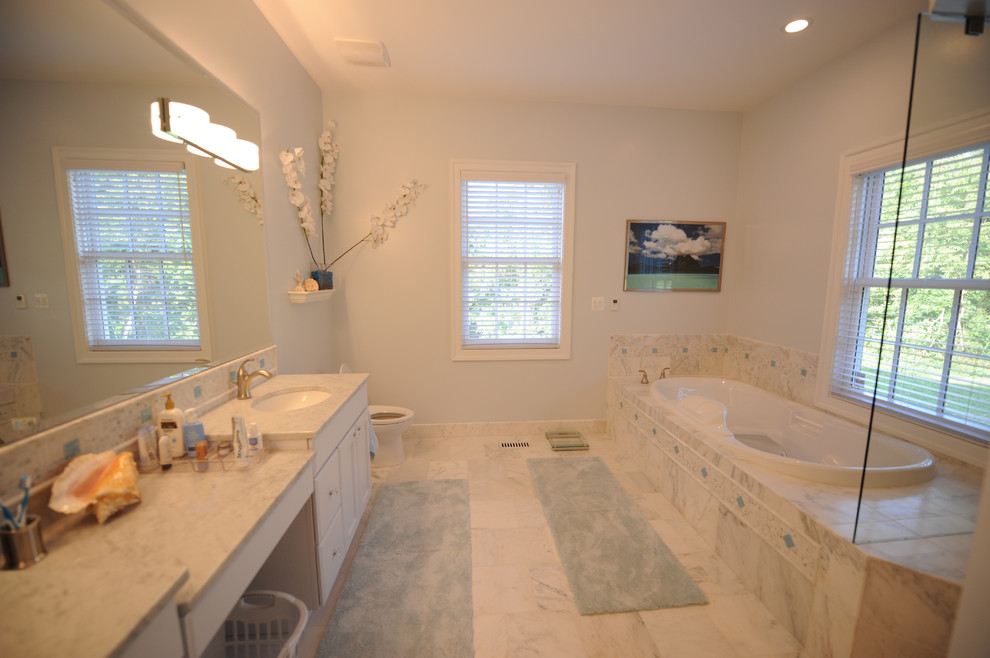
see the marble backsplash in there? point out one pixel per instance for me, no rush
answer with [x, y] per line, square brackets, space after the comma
[784, 371]
[45, 454]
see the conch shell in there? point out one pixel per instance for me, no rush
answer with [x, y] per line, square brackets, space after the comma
[104, 483]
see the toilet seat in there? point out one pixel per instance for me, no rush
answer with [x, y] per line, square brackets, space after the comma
[384, 415]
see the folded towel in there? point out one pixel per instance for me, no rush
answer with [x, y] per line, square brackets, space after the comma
[372, 439]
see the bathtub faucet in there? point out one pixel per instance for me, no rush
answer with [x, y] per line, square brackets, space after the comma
[663, 373]
[645, 379]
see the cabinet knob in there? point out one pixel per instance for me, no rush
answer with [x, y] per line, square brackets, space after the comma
[332, 493]
[335, 553]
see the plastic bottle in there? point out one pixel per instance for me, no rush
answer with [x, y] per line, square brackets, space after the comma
[170, 423]
[192, 433]
[165, 451]
[255, 444]
[147, 441]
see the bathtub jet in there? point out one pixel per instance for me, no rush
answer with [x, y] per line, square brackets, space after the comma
[791, 438]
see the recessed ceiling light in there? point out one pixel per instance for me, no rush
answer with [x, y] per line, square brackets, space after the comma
[797, 25]
[363, 52]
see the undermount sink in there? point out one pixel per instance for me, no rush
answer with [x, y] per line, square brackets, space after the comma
[290, 400]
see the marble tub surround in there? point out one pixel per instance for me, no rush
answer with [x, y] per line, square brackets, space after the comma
[784, 539]
[784, 371]
[279, 429]
[100, 585]
[20, 396]
[45, 454]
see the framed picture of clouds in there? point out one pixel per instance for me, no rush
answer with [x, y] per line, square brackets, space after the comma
[666, 255]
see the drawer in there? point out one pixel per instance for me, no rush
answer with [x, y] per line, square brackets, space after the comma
[330, 553]
[326, 493]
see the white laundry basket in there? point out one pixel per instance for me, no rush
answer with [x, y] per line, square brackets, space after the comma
[264, 624]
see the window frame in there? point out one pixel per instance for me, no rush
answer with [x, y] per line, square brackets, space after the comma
[526, 172]
[63, 159]
[968, 131]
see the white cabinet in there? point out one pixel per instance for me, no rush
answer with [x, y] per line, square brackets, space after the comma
[342, 486]
[308, 559]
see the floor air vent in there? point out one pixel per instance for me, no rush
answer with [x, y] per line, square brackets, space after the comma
[515, 444]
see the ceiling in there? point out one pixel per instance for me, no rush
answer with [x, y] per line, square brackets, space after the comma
[725, 55]
[82, 41]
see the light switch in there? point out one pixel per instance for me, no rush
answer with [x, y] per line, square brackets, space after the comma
[597, 303]
[21, 301]
[614, 305]
[40, 300]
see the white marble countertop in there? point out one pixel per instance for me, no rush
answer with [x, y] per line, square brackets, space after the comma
[297, 424]
[99, 586]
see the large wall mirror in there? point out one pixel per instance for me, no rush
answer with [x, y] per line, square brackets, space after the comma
[76, 74]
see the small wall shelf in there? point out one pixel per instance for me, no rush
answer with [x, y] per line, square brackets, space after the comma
[309, 297]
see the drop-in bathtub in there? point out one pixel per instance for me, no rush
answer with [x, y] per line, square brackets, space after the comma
[791, 438]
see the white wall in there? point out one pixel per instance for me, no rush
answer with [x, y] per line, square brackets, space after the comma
[391, 309]
[788, 179]
[234, 43]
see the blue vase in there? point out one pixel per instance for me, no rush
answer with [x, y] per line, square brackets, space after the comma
[324, 278]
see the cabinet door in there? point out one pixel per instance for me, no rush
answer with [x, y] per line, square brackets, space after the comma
[348, 491]
[355, 475]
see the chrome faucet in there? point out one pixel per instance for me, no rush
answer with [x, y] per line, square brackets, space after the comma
[663, 373]
[244, 380]
[645, 379]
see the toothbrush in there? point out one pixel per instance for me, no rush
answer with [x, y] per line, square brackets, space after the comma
[10, 518]
[26, 486]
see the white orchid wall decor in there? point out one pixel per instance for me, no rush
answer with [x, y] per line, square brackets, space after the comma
[293, 167]
[246, 195]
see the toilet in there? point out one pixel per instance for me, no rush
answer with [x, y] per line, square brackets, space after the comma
[388, 424]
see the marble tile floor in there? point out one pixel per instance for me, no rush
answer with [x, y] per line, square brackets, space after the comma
[522, 602]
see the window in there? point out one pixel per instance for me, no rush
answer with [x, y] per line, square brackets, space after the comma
[925, 229]
[512, 258]
[133, 265]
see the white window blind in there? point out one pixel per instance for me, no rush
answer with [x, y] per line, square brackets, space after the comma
[135, 257]
[924, 345]
[512, 252]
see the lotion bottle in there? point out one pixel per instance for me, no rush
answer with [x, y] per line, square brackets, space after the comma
[255, 445]
[170, 423]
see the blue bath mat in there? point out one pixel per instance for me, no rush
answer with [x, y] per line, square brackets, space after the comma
[408, 591]
[614, 559]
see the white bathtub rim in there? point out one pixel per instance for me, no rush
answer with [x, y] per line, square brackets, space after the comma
[922, 470]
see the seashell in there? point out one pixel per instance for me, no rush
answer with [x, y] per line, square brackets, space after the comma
[104, 483]
[310, 285]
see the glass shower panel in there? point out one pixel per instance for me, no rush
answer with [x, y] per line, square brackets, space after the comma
[933, 248]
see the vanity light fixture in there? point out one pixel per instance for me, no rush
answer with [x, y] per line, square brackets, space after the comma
[187, 124]
[797, 25]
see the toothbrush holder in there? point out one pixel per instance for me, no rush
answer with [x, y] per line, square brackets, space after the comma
[23, 547]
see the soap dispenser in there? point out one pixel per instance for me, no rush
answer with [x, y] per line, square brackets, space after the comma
[170, 423]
